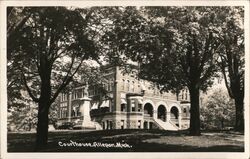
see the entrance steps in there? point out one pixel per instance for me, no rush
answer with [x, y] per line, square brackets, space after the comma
[166, 125]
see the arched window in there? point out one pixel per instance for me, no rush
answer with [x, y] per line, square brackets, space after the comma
[133, 105]
[133, 86]
[127, 85]
[148, 109]
[123, 84]
[161, 113]
[110, 86]
[184, 110]
[174, 113]
[78, 112]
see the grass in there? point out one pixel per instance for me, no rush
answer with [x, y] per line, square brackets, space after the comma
[134, 141]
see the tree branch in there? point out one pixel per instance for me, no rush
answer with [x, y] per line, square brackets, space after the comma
[66, 81]
[222, 65]
[13, 29]
[28, 89]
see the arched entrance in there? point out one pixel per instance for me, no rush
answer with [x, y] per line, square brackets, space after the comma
[148, 110]
[174, 115]
[161, 113]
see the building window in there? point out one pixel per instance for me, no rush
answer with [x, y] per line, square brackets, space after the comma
[78, 112]
[63, 112]
[107, 124]
[122, 124]
[133, 86]
[123, 84]
[60, 113]
[103, 125]
[139, 124]
[186, 94]
[73, 112]
[139, 107]
[110, 86]
[182, 94]
[184, 110]
[123, 107]
[91, 91]
[133, 105]
[111, 124]
[79, 93]
[75, 94]
[127, 85]
[63, 97]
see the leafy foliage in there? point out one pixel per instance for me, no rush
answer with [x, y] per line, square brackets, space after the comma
[218, 110]
[176, 47]
[55, 37]
[50, 49]
[232, 61]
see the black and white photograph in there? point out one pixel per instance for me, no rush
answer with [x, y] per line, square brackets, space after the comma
[147, 79]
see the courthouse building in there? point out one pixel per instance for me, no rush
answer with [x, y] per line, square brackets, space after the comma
[128, 103]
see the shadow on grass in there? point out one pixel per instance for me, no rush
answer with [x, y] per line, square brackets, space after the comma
[18, 142]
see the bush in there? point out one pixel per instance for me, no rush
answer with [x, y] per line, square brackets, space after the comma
[218, 111]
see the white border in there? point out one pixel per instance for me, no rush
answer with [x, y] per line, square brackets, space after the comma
[3, 94]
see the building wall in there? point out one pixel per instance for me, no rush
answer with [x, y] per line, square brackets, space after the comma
[127, 96]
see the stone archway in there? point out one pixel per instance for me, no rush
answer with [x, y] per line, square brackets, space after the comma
[161, 113]
[175, 115]
[174, 112]
[148, 110]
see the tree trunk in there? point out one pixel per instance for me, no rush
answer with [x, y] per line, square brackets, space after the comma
[42, 125]
[239, 120]
[195, 111]
[238, 93]
[43, 107]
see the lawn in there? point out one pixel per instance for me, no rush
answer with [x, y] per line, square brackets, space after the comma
[130, 141]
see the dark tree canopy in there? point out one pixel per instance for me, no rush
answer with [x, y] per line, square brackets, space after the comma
[49, 50]
[218, 110]
[175, 47]
[231, 62]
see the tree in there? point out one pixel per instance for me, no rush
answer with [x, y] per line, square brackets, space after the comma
[231, 59]
[52, 47]
[15, 26]
[218, 110]
[26, 120]
[197, 56]
[175, 48]
[17, 17]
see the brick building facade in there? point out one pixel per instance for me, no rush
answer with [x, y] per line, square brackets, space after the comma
[129, 103]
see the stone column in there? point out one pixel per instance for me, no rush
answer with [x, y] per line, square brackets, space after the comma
[168, 116]
[136, 105]
[179, 120]
[116, 91]
[104, 125]
[69, 106]
[107, 124]
[129, 105]
[154, 113]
